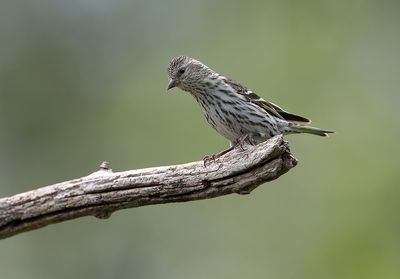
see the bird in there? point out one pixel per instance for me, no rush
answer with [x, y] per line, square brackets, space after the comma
[232, 109]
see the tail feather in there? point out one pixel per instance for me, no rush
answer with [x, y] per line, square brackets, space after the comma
[310, 130]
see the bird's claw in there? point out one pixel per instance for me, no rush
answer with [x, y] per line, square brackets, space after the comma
[208, 158]
[243, 141]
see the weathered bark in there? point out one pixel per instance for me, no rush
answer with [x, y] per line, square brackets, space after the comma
[103, 192]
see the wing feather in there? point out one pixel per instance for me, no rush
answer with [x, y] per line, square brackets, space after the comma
[269, 107]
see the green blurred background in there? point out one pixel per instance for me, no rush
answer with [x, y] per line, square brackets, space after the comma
[84, 81]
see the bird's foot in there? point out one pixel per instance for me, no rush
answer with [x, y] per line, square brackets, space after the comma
[212, 158]
[243, 141]
[208, 159]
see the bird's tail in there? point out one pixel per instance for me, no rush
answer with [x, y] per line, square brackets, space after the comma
[295, 128]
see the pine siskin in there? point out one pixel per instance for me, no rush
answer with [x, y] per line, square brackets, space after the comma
[230, 108]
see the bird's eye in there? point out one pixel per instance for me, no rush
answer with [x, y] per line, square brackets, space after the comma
[181, 71]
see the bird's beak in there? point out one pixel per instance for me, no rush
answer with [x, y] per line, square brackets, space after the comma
[171, 84]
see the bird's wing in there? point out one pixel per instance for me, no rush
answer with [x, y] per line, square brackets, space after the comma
[269, 107]
[289, 116]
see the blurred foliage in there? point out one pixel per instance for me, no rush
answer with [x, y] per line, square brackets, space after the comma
[84, 81]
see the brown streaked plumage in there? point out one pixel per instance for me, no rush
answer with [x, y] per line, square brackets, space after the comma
[232, 109]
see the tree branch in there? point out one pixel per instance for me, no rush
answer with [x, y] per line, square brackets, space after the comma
[103, 192]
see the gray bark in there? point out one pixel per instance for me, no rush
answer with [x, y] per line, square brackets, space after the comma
[103, 192]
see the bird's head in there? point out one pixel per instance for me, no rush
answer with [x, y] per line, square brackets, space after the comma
[187, 74]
